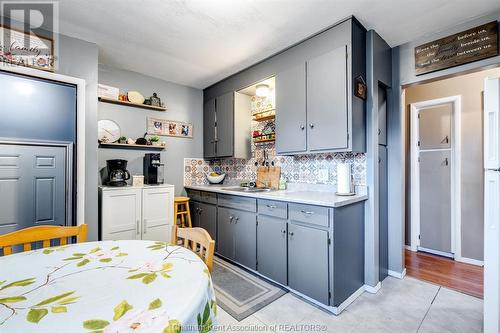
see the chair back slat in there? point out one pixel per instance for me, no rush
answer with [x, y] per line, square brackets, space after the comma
[199, 238]
[41, 233]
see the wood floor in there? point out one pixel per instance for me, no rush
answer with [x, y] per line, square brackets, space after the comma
[446, 272]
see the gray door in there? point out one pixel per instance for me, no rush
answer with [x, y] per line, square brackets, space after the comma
[271, 248]
[434, 126]
[224, 106]
[209, 129]
[291, 110]
[195, 213]
[327, 100]
[225, 230]
[308, 261]
[435, 200]
[207, 218]
[383, 214]
[245, 239]
[32, 186]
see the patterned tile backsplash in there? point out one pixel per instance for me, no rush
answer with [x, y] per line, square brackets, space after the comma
[295, 169]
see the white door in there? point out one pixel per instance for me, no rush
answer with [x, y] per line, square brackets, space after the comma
[121, 214]
[492, 206]
[157, 214]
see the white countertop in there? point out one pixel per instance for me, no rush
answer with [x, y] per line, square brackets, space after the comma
[127, 187]
[297, 195]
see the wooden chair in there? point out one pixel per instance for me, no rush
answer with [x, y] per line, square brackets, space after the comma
[43, 234]
[198, 240]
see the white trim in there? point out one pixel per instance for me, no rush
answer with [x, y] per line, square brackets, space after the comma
[456, 245]
[373, 289]
[408, 247]
[470, 261]
[338, 309]
[397, 274]
[80, 131]
[436, 252]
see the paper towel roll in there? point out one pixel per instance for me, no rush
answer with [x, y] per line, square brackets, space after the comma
[344, 185]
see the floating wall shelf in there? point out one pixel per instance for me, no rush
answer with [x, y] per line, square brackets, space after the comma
[127, 146]
[136, 105]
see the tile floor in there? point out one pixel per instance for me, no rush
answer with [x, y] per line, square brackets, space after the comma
[401, 306]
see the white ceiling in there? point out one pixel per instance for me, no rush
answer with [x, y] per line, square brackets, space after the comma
[199, 42]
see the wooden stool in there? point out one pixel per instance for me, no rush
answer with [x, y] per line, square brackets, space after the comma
[181, 212]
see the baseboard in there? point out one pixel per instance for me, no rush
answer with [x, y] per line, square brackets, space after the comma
[470, 261]
[408, 247]
[338, 309]
[397, 274]
[373, 289]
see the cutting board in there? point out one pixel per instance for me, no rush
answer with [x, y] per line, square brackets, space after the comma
[269, 176]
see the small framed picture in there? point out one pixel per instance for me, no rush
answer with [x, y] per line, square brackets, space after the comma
[165, 127]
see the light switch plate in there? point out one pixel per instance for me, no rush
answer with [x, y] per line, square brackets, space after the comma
[323, 175]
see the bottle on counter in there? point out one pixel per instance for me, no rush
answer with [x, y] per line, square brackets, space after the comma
[282, 185]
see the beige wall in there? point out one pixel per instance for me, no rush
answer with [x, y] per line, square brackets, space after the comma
[470, 88]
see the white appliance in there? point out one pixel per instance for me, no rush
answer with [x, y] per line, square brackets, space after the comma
[492, 205]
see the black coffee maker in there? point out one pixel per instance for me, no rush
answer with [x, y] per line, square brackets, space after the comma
[117, 172]
[153, 169]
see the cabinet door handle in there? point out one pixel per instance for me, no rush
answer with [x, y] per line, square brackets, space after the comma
[283, 231]
[271, 206]
[306, 212]
[137, 229]
[379, 131]
[302, 127]
[231, 218]
[290, 233]
[311, 125]
[236, 220]
[200, 210]
[144, 226]
[445, 140]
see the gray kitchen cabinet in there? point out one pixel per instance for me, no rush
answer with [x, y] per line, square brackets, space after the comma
[327, 110]
[209, 143]
[236, 236]
[204, 216]
[245, 243]
[308, 265]
[382, 115]
[291, 110]
[383, 214]
[224, 129]
[272, 248]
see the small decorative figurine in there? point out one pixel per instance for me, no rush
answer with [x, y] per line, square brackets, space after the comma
[154, 100]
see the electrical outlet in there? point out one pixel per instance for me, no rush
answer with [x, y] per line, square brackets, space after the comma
[323, 175]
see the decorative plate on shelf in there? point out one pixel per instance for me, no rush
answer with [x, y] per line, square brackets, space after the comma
[108, 131]
[135, 97]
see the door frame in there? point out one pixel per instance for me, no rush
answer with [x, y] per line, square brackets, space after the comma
[80, 129]
[456, 239]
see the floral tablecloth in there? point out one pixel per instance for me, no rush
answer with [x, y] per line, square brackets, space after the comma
[110, 286]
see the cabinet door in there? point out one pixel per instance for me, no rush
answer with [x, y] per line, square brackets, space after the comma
[208, 218]
[308, 261]
[121, 214]
[245, 239]
[209, 129]
[195, 213]
[291, 110]
[225, 230]
[271, 248]
[157, 213]
[224, 106]
[327, 101]
[382, 116]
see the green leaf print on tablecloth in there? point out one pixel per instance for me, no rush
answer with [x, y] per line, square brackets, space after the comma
[204, 322]
[96, 254]
[149, 271]
[158, 246]
[125, 319]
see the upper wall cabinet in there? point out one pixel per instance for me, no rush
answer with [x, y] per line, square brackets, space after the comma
[316, 109]
[226, 127]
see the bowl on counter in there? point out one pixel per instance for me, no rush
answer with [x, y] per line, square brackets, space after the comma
[216, 179]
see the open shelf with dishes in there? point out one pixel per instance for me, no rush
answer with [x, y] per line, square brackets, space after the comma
[117, 145]
[127, 103]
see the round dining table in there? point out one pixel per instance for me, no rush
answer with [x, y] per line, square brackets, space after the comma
[109, 286]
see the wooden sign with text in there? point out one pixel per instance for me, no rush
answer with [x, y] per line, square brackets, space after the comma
[458, 49]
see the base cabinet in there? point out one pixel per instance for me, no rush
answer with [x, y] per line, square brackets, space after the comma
[204, 216]
[272, 248]
[136, 213]
[236, 236]
[308, 269]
